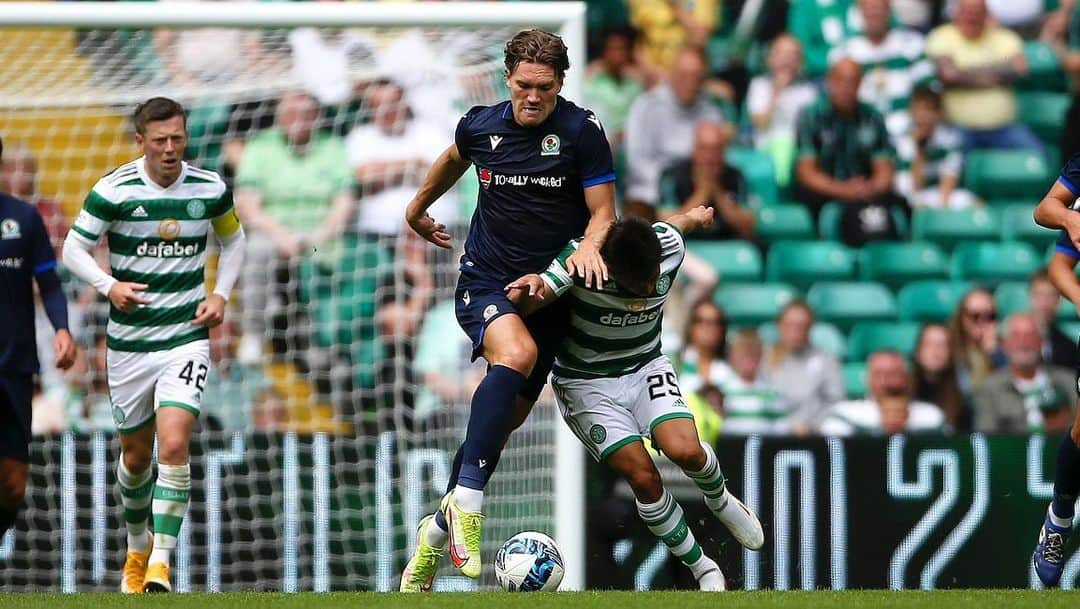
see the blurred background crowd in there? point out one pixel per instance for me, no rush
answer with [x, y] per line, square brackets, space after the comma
[873, 164]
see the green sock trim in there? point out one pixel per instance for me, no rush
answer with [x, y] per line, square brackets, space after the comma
[664, 515]
[139, 492]
[165, 524]
[677, 535]
[692, 556]
[137, 515]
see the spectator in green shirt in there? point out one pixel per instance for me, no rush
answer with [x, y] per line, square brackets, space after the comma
[844, 155]
[613, 82]
[293, 195]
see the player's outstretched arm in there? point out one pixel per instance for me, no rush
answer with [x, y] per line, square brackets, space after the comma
[696, 219]
[1054, 211]
[444, 172]
[586, 261]
[530, 293]
[1064, 279]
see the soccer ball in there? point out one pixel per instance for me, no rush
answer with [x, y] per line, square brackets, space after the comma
[529, 562]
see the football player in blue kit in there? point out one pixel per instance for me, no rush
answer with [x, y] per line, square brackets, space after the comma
[546, 176]
[1058, 210]
[26, 257]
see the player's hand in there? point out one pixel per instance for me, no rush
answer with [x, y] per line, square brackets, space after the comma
[124, 295]
[702, 215]
[586, 262]
[211, 312]
[429, 229]
[64, 346]
[524, 288]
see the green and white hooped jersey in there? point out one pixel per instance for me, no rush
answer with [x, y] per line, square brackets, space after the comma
[613, 332]
[157, 236]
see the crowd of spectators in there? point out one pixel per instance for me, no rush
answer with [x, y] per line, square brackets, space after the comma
[870, 107]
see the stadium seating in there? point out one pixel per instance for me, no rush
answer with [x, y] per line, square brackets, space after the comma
[1006, 174]
[734, 260]
[855, 379]
[990, 263]
[866, 338]
[801, 263]
[1044, 113]
[757, 168]
[846, 303]
[1070, 328]
[786, 221]
[896, 264]
[823, 335]
[947, 227]
[1012, 297]
[931, 300]
[753, 303]
[1044, 69]
[1018, 224]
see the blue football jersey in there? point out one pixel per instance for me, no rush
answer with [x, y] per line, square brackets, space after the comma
[25, 251]
[1069, 178]
[532, 180]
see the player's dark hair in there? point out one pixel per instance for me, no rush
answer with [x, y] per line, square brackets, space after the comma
[631, 251]
[927, 95]
[156, 109]
[537, 46]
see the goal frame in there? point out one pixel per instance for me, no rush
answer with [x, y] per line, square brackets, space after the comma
[565, 18]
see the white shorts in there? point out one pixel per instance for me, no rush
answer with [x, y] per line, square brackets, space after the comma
[609, 413]
[140, 383]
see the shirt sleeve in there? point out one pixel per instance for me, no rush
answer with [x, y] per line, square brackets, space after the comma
[1065, 246]
[557, 277]
[594, 154]
[1070, 175]
[44, 258]
[225, 221]
[671, 240]
[96, 216]
[804, 134]
[462, 136]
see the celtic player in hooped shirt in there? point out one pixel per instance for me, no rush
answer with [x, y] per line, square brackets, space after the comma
[156, 213]
[614, 387]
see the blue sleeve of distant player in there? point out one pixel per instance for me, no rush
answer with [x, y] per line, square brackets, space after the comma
[594, 154]
[41, 251]
[1065, 246]
[1070, 175]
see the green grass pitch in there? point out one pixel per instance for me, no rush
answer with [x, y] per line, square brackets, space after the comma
[952, 599]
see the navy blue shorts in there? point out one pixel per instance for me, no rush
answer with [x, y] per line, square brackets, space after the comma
[16, 393]
[479, 299]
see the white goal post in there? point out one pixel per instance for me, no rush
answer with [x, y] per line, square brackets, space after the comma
[565, 18]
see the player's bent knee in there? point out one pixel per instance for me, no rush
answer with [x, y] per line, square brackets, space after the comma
[519, 355]
[136, 460]
[646, 484]
[689, 456]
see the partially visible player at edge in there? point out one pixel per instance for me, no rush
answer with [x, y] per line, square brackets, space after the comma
[615, 387]
[546, 176]
[1056, 211]
[157, 212]
[26, 256]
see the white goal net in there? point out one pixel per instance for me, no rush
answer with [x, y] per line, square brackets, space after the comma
[342, 382]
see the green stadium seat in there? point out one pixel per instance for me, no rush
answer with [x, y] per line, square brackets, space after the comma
[855, 379]
[990, 263]
[753, 303]
[734, 260]
[757, 168]
[931, 300]
[896, 264]
[1044, 69]
[1018, 224]
[787, 221]
[1070, 328]
[947, 227]
[801, 263]
[869, 337]
[1006, 174]
[1011, 297]
[823, 335]
[1044, 113]
[846, 303]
